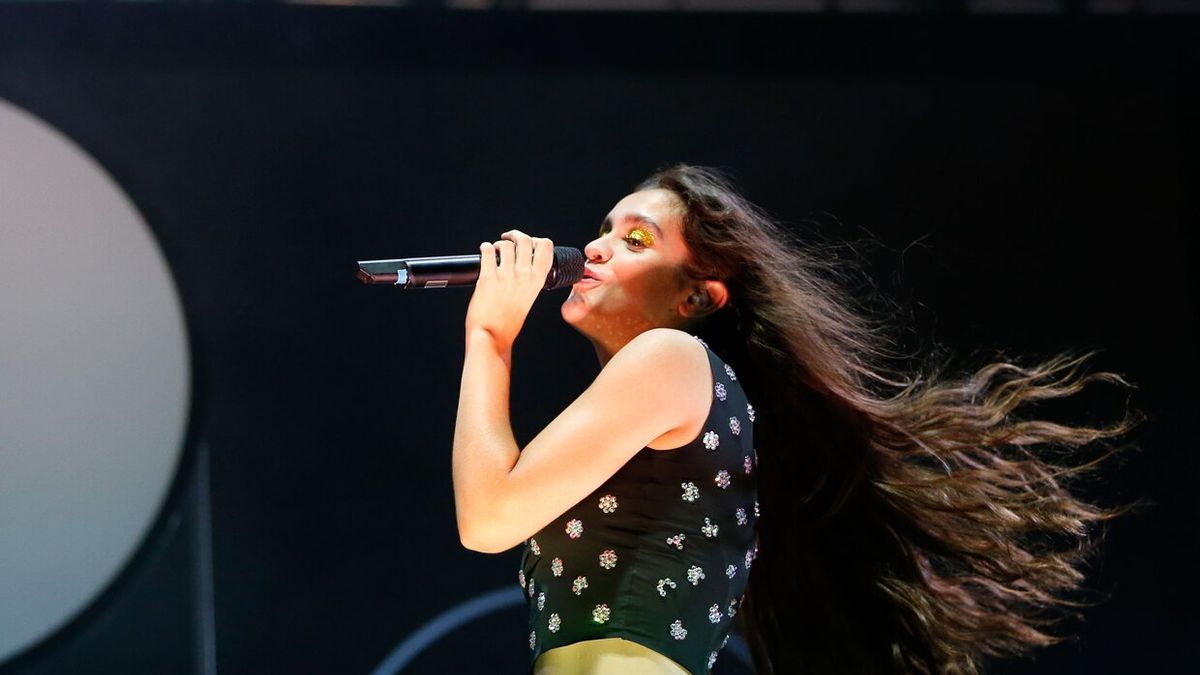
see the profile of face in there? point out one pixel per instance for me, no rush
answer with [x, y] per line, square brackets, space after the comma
[638, 257]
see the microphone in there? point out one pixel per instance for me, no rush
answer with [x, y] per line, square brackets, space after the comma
[460, 270]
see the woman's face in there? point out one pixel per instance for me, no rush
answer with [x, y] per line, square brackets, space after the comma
[638, 257]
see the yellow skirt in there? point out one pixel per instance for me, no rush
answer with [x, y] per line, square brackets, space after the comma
[607, 656]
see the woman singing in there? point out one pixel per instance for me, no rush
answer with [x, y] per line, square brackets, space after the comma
[896, 523]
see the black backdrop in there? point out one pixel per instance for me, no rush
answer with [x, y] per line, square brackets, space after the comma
[1031, 180]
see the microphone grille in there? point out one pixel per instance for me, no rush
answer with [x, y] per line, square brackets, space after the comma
[567, 268]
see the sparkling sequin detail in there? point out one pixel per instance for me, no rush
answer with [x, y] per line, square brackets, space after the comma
[747, 464]
[729, 372]
[677, 630]
[600, 614]
[533, 546]
[690, 492]
[710, 528]
[521, 578]
[750, 412]
[677, 541]
[735, 426]
[541, 601]
[530, 589]
[712, 658]
[711, 441]
[575, 528]
[730, 571]
[578, 585]
[699, 340]
[733, 608]
[608, 559]
[533, 639]
[608, 503]
[662, 584]
[722, 479]
[695, 574]
[714, 614]
[749, 559]
[720, 389]
[556, 566]
[741, 516]
[755, 508]
[553, 623]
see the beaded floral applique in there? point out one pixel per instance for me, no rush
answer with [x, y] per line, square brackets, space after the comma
[556, 566]
[677, 630]
[747, 464]
[521, 578]
[741, 516]
[608, 559]
[608, 503]
[720, 391]
[729, 372]
[711, 441]
[677, 541]
[662, 586]
[690, 492]
[750, 412]
[579, 584]
[541, 601]
[553, 623]
[533, 546]
[575, 528]
[722, 479]
[730, 571]
[735, 426]
[694, 575]
[710, 528]
[714, 614]
[600, 614]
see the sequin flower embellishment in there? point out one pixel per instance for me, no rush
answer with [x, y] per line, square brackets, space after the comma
[720, 390]
[710, 528]
[662, 586]
[730, 571]
[556, 567]
[676, 541]
[575, 528]
[722, 479]
[714, 614]
[741, 516]
[600, 614]
[747, 464]
[541, 601]
[554, 622]
[578, 585]
[750, 412]
[521, 577]
[608, 559]
[690, 492]
[533, 546]
[677, 630]
[695, 574]
[729, 372]
[608, 503]
[735, 426]
[711, 440]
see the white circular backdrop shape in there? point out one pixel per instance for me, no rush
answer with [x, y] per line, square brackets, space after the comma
[94, 379]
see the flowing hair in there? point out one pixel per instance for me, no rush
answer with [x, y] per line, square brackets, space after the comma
[910, 521]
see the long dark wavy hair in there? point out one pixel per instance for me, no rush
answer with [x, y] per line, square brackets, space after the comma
[911, 522]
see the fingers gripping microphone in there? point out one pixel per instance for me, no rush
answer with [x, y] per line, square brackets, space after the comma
[460, 270]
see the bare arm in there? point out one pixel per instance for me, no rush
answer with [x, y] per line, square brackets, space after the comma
[660, 381]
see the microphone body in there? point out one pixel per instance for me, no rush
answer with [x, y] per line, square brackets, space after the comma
[460, 270]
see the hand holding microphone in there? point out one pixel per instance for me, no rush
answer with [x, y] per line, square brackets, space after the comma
[505, 291]
[461, 270]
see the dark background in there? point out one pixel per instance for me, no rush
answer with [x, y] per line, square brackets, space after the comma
[1030, 182]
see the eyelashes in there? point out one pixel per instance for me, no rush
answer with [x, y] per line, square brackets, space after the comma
[643, 239]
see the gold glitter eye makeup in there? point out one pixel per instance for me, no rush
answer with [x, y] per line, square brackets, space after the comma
[641, 236]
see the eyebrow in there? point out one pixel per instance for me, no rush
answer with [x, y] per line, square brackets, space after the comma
[637, 218]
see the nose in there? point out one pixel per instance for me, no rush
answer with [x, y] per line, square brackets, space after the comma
[595, 250]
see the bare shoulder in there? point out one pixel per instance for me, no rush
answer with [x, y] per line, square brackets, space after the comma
[675, 369]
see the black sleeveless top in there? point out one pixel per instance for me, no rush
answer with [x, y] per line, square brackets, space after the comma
[661, 552]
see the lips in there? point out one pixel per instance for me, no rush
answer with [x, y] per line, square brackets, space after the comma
[589, 274]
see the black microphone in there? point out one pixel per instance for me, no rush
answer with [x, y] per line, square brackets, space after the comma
[460, 270]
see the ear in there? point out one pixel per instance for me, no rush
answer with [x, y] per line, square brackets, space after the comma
[704, 298]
